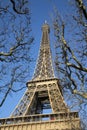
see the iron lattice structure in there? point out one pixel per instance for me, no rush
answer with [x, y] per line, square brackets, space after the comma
[44, 68]
[44, 92]
[34, 98]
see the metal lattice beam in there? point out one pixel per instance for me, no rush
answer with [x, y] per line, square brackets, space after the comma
[44, 68]
[24, 104]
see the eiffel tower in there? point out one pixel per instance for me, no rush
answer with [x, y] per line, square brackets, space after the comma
[43, 94]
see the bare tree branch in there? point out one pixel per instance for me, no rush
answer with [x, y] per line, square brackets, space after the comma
[19, 9]
[77, 67]
[15, 43]
[82, 7]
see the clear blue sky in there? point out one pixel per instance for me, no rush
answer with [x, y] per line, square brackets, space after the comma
[41, 10]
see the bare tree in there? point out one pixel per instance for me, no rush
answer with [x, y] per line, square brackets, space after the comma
[71, 55]
[15, 42]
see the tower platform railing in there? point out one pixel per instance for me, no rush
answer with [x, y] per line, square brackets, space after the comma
[40, 118]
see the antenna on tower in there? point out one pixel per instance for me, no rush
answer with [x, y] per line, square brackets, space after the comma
[45, 21]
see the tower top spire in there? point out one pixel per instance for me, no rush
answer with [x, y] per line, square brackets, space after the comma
[45, 27]
[44, 67]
